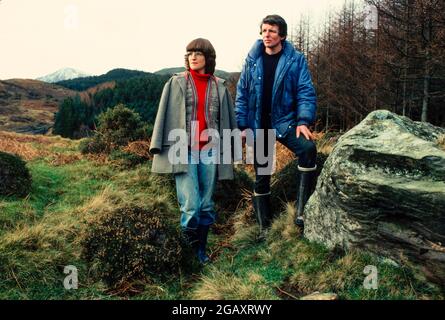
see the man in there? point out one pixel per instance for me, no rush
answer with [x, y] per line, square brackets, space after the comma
[275, 91]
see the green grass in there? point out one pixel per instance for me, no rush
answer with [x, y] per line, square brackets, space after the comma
[54, 189]
[37, 232]
[286, 266]
[39, 235]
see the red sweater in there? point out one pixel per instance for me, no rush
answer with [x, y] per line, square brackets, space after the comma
[200, 81]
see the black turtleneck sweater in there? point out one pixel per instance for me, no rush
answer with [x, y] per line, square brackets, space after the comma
[270, 63]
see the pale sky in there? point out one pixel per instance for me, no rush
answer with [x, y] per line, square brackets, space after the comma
[95, 36]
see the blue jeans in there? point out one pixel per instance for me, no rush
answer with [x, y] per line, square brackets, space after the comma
[195, 189]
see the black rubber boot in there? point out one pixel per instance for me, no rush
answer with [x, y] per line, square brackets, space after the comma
[305, 189]
[191, 237]
[261, 205]
[203, 232]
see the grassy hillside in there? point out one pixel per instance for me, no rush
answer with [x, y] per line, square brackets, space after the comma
[28, 106]
[42, 233]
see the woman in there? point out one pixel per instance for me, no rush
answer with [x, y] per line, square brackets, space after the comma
[194, 101]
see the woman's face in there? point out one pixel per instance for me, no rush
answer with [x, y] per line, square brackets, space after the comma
[197, 61]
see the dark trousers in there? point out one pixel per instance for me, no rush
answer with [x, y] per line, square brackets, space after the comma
[304, 149]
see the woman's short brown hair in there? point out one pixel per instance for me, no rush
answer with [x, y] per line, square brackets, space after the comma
[207, 49]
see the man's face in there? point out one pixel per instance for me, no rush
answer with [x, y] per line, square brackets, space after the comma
[197, 61]
[271, 38]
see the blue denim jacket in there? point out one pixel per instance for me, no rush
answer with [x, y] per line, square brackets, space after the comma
[293, 95]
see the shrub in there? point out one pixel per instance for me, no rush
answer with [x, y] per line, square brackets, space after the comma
[119, 126]
[133, 243]
[15, 178]
[92, 145]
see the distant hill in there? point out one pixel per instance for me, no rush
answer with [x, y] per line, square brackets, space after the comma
[63, 74]
[170, 71]
[84, 83]
[28, 106]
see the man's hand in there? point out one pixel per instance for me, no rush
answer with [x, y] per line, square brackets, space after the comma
[305, 131]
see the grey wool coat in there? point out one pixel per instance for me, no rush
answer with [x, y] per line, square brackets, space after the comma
[172, 115]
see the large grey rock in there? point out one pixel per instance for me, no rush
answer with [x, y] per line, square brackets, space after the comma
[383, 189]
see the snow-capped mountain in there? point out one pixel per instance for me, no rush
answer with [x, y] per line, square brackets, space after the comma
[63, 74]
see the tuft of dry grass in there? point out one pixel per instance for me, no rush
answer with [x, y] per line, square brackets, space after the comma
[245, 234]
[139, 148]
[103, 203]
[283, 228]
[60, 151]
[255, 277]
[99, 158]
[44, 235]
[219, 285]
[61, 159]
[14, 146]
[25, 138]
[325, 141]
[31, 147]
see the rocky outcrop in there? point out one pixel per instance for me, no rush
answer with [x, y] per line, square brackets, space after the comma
[383, 189]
